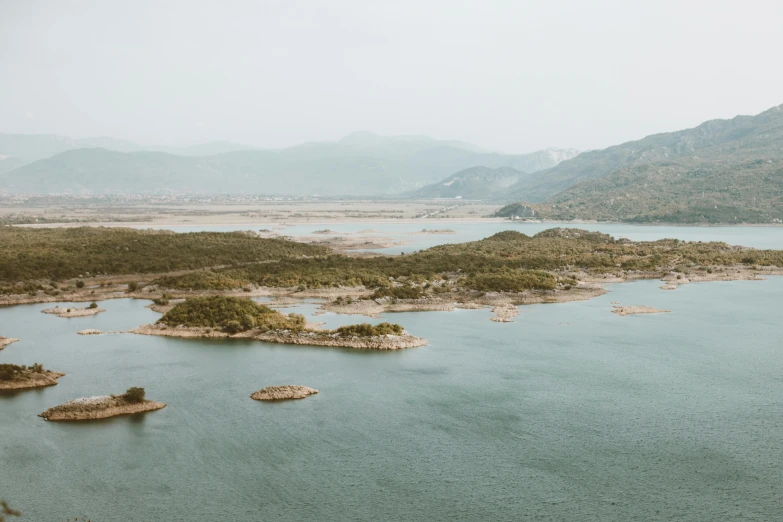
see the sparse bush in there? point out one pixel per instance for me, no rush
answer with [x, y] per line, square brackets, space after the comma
[79, 284]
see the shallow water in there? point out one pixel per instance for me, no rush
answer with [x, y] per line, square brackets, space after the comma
[571, 413]
[756, 237]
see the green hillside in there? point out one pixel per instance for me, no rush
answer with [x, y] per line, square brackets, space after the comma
[472, 183]
[709, 147]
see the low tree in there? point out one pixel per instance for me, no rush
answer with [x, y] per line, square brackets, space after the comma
[134, 394]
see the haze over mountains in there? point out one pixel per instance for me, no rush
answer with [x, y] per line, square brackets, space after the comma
[359, 164]
[720, 172]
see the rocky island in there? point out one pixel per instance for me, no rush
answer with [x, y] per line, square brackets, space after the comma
[630, 310]
[102, 407]
[73, 312]
[15, 377]
[286, 392]
[234, 317]
[5, 341]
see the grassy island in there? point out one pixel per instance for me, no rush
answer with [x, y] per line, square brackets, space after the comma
[226, 316]
[15, 377]
[231, 315]
[104, 406]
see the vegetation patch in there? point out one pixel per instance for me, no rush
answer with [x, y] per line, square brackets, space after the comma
[230, 315]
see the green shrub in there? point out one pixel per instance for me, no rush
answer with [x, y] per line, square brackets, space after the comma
[134, 395]
[79, 284]
[93, 305]
[231, 315]
[368, 330]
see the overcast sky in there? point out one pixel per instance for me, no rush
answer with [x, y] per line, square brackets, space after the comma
[513, 76]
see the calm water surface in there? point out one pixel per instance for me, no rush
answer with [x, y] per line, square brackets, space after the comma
[756, 237]
[569, 414]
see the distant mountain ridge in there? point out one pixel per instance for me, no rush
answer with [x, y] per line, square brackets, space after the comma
[359, 164]
[722, 171]
[472, 183]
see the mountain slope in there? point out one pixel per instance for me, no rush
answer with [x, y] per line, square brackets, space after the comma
[472, 183]
[744, 138]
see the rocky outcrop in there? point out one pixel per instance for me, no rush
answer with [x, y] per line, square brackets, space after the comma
[504, 313]
[72, 312]
[630, 310]
[5, 341]
[281, 393]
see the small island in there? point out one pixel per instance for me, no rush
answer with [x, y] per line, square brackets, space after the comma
[15, 377]
[73, 312]
[102, 407]
[5, 341]
[235, 317]
[281, 393]
[434, 231]
[631, 310]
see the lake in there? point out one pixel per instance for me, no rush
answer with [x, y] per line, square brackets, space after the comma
[571, 413]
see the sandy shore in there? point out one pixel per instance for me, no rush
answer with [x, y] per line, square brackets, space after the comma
[72, 312]
[5, 341]
[93, 408]
[631, 310]
[307, 337]
[281, 393]
[36, 380]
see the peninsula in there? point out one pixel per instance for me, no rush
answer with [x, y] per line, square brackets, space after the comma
[5, 341]
[15, 377]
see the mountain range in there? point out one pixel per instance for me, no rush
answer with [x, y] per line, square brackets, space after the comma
[723, 171]
[362, 163]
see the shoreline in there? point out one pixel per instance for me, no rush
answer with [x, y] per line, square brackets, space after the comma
[288, 222]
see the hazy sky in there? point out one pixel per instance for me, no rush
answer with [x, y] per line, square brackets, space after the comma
[507, 75]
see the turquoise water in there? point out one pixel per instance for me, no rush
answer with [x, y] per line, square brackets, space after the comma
[569, 414]
[756, 237]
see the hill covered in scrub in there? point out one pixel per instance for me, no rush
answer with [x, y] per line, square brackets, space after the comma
[230, 315]
[472, 183]
[723, 171]
[61, 253]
